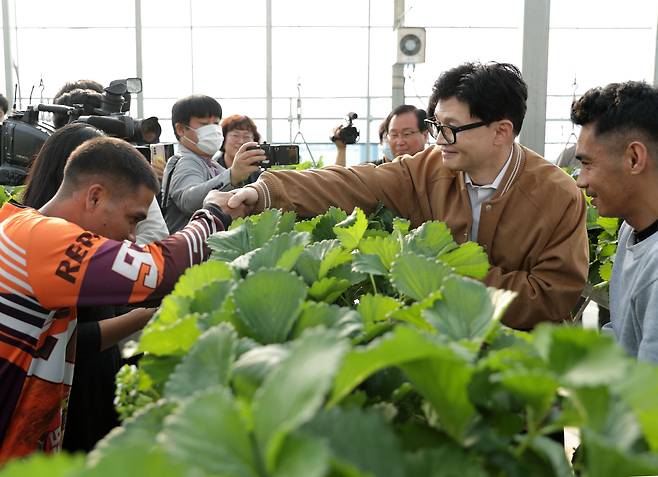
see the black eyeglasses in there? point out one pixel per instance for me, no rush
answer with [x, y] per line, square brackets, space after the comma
[449, 133]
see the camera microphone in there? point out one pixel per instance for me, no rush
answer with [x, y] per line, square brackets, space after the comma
[57, 108]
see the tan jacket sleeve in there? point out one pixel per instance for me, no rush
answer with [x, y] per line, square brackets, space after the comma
[312, 192]
[552, 287]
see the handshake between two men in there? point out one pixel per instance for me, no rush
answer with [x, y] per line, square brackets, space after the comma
[236, 203]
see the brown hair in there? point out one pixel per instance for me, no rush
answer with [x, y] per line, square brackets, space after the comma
[238, 121]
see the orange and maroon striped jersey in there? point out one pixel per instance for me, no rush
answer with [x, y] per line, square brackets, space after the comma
[48, 267]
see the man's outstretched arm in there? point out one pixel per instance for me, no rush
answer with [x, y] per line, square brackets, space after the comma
[312, 192]
[68, 266]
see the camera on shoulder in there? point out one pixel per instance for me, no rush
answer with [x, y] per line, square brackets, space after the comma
[348, 133]
[278, 155]
[23, 133]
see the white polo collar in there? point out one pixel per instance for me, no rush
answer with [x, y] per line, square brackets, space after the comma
[499, 178]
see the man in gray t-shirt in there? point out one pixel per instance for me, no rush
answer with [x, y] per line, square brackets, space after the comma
[618, 151]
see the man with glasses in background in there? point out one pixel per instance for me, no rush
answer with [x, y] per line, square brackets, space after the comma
[404, 131]
[526, 213]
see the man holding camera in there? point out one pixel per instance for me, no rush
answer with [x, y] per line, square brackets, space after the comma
[192, 172]
[528, 215]
[403, 130]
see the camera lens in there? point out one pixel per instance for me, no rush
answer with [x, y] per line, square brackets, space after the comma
[150, 129]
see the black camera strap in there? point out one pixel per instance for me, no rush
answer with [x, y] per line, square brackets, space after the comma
[165, 197]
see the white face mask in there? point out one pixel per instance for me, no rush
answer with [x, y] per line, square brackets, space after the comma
[210, 138]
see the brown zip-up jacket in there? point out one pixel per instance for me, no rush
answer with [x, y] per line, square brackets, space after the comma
[533, 228]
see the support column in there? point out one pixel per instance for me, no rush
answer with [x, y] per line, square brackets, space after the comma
[268, 68]
[6, 31]
[368, 87]
[139, 72]
[536, 22]
[655, 63]
[397, 72]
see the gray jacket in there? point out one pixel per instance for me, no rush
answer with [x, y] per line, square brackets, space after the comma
[634, 295]
[191, 179]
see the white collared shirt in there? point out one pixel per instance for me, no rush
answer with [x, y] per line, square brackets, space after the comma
[479, 193]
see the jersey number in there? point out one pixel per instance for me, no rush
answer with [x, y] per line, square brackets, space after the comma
[129, 261]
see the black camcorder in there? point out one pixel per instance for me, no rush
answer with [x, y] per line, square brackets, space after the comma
[348, 134]
[22, 133]
[21, 137]
[279, 155]
[111, 116]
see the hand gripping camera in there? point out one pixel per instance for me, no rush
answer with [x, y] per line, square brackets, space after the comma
[281, 155]
[22, 134]
[348, 133]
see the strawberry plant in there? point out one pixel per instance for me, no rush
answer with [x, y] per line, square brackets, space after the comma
[350, 346]
[8, 193]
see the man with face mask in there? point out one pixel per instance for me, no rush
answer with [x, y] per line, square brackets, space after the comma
[192, 172]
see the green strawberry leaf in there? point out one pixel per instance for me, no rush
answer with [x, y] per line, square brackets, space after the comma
[351, 230]
[432, 239]
[268, 303]
[469, 259]
[416, 276]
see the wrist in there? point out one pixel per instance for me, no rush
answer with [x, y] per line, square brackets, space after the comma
[236, 178]
[259, 197]
[217, 211]
[133, 321]
[142, 316]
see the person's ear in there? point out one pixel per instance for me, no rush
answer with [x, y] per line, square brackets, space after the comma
[636, 158]
[180, 129]
[96, 193]
[503, 132]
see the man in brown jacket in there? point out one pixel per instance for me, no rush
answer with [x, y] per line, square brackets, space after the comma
[526, 213]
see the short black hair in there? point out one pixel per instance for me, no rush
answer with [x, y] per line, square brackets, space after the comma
[619, 108]
[492, 91]
[196, 105]
[112, 161]
[4, 104]
[47, 170]
[403, 109]
[88, 98]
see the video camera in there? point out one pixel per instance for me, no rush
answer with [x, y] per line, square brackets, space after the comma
[281, 155]
[22, 133]
[348, 134]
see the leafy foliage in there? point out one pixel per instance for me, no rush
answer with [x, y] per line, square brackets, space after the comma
[352, 346]
[8, 193]
[602, 233]
[207, 364]
[294, 391]
[268, 303]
